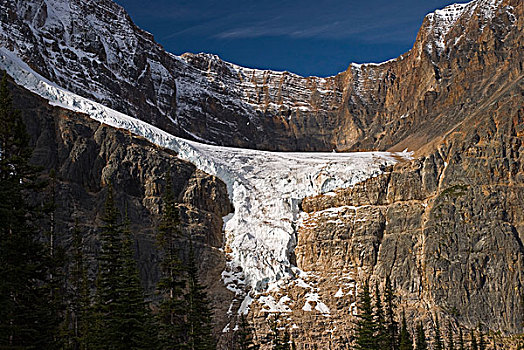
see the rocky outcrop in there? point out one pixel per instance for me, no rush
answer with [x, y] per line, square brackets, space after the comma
[447, 227]
[85, 155]
[462, 55]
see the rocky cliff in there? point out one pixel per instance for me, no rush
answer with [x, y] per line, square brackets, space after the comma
[461, 55]
[85, 155]
[447, 226]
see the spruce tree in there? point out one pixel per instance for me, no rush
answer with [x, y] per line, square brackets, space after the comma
[482, 342]
[438, 344]
[406, 341]
[391, 323]
[27, 318]
[172, 310]
[278, 340]
[461, 343]
[451, 343]
[243, 338]
[134, 316]
[421, 342]
[78, 295]
[474, 345]
[199, 316]
[365, 326]
[105, 331]
[121, 318]
[381, 333]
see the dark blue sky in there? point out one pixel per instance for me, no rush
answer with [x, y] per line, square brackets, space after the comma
[308, 37]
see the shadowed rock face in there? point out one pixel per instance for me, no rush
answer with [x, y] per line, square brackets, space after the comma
[86, 155]
[462, 57]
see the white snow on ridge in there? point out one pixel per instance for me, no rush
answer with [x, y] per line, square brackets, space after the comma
[265, 187]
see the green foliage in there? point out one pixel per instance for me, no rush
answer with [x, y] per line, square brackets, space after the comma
[421, 342]
[28, 318]
[391, 323]
[76, 323]
[199, 317]
[365, 326]
[381, 331]
[406, 341]
[172, 309]
[474, 345]
[279, 337]
[120, 319]
[243, 338]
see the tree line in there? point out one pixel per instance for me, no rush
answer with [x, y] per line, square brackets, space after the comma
[377, 327]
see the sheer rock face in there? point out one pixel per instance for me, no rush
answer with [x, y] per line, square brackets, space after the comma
[462, 55]
[86, 155]
[447, 227]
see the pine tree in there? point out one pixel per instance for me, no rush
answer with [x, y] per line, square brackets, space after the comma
[438, 344]
[461, 340]
[391, 323]
[406, 341]
[451, 344]
[134, 317]
[278, 340]
[381, 335]
[121, 318]
[78, 295]
[474, 345]
[172, 310]
[365, 326]
[199, 317]
[421, 342]
[105, 333]
[482, 342]
[243, 338]
[27, 317]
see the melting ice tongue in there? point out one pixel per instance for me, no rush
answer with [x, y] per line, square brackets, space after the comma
[265, 187]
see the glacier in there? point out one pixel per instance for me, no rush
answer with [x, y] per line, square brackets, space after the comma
[266, 188]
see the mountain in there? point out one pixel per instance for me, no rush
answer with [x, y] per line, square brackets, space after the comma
[447, 226]
[92, 48]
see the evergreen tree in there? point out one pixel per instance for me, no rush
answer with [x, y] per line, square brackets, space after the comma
[381, 335]
[406, 341]
[421, 342]
[243, 338]
[121, 319]
[451, 344]
[27, 317]
[474, 345]
[438, 344]
[365, 326]
[78, 295]
[278, 340]
[134, 317]
[391, 323]
[105, 333]
[482, 341]
[172, 309]
[199, 317]
[461, 340]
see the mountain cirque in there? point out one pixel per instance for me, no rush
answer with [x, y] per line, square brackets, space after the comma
[447, 226]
